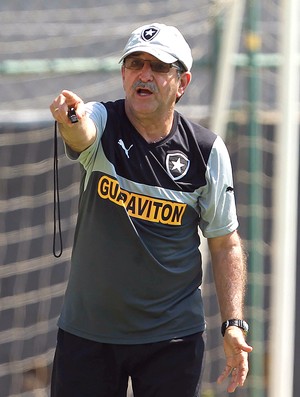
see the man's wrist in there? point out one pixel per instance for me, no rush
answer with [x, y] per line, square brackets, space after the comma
[242, 324]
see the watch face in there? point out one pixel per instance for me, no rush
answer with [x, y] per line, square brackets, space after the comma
[245, 326]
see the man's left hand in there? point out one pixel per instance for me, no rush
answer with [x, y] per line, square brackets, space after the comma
[236, 352]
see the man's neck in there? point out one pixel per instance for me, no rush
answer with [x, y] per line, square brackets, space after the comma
[153, 128]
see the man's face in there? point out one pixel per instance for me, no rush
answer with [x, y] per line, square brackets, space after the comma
[151, 88]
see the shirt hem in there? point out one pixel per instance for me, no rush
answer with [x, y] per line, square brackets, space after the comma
[132, 340]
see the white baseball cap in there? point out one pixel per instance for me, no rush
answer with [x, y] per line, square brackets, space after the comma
[164, 42]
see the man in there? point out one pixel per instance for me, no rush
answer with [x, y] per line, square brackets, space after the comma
[133, 304]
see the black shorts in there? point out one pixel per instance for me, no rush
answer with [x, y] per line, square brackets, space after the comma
[84, 368]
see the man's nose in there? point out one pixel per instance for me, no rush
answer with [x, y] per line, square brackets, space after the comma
[146, 72]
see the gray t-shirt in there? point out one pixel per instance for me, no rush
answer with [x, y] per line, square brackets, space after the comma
[136, 266]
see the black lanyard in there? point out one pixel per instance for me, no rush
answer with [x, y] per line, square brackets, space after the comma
[56, 210]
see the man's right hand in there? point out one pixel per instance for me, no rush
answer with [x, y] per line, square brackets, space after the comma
[60, 106]
[78, 136]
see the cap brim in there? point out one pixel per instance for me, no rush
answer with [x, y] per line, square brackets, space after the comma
[161, 55]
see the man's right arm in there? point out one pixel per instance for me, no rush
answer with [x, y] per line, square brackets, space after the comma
[78, 136]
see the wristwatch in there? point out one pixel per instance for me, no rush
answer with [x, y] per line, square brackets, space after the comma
[235, 323]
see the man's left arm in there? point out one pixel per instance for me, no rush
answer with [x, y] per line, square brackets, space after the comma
[230, 274]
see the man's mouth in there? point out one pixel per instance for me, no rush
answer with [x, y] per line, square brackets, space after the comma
[144, 92]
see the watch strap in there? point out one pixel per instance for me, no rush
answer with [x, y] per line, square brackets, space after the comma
[235, 323]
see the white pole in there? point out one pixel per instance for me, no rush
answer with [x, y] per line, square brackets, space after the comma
[225, 70]
[282, 330]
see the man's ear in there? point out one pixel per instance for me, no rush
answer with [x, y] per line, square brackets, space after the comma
[184, 81]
